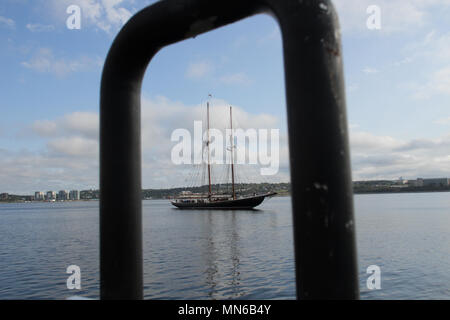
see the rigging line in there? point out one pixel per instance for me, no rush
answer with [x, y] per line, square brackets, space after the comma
[198, 169]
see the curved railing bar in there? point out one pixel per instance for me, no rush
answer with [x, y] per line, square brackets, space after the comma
[322, 199]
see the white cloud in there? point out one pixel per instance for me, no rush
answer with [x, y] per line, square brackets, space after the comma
[437, 83]
[443, 121]
[269, 38]
[160, 117]
[198, 70]
[369, 70]
[365, 141]
[205, 69]
[406, 60]
[431, 57]
[44, 128]
[400, 16]
[118, 16]
[10, 23]
[107, 15]
[44, 61]
[433, 47]
[353, 87]
[37, 27]
[385, 157]
[69, 156]
[74, 146]
[85, 124]
[239, 78]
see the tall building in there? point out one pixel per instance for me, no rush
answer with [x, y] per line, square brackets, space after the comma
[51, 195]
[39, 196]
[63, 195]
[74, 195]
[439, 182]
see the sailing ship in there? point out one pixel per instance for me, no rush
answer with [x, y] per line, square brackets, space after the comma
[210, 200]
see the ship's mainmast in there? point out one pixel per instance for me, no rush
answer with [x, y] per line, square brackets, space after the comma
[207, 145]
[232, 156]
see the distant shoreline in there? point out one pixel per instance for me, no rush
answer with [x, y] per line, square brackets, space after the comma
[41, 201]
[282, 189]
[278, 195]
[400, 191]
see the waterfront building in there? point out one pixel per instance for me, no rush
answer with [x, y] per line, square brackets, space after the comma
[63, 195]
[419, 182]
[39, 196]
[74, 195]
[438, 182]
[51, 195]
[4, 196]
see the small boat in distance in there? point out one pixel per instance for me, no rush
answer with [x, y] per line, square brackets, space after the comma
[189, 200]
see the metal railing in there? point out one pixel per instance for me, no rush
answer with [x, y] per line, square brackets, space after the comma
[322, 199]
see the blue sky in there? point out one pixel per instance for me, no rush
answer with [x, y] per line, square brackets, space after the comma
[397, 87]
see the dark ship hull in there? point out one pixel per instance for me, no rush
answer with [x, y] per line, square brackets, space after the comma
[230, 204]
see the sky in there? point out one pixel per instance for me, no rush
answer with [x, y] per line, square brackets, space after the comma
[397, 81]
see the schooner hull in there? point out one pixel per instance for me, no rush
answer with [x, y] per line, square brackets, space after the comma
[244, 203]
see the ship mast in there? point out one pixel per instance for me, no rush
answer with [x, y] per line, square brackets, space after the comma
[207, 145]
[232, 157]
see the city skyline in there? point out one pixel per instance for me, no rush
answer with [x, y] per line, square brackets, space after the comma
[397, 88]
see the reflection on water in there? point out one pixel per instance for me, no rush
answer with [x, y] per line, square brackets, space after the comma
[210, 258]
[218, 254]
[231, 256]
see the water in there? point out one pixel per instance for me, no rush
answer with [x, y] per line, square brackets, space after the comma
[224, 254]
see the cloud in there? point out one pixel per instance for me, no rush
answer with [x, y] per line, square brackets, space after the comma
[205, 69]
[431, 57]
[161, 116]
[400, 16]
[44, 61]
[352, 87]
[367, 142]
[443, 121]
[116, 16]
[385, 157]
[271, 37]
[239, 78]
[434, 46]
[369, 70]
[406, 60]
[437, 83]
[75, 146]
[198, 70]
[9, 23]
[85, 124]
[39, 27]
[25, 172]
[106, 15]
[44, 128]
[69, 154]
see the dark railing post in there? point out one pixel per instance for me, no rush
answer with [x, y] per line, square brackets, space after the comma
[324, 235]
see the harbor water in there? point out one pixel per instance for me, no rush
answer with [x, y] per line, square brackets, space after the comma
[224, 254]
